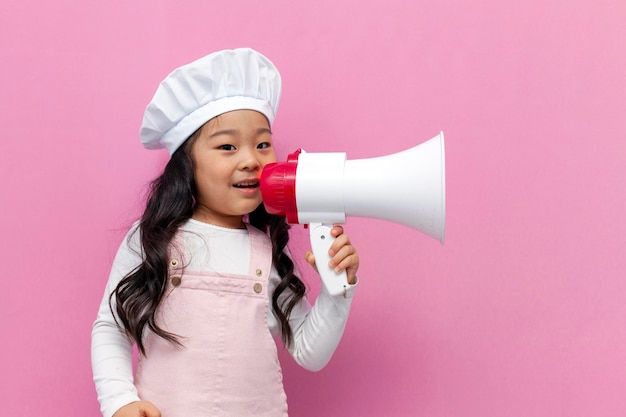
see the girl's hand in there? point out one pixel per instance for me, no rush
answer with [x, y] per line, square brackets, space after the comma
[343, 255]
[138, 409]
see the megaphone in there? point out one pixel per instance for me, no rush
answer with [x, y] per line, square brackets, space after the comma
[322, 189]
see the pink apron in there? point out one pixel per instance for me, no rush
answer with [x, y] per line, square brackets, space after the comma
[228, 364]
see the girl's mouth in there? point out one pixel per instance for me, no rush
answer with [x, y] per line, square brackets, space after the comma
[247, 184]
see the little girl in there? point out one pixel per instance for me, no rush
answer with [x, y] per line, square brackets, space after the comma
[204, 283]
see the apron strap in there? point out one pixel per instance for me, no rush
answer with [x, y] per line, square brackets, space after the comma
[260, 254]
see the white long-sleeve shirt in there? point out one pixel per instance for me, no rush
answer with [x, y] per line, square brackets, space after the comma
[317, 330]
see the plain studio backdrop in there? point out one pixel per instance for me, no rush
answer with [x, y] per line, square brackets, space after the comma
[521, 313]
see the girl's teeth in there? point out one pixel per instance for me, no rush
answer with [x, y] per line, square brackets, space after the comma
[247, 184]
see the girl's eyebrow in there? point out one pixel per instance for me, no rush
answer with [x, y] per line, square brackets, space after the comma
[234, 132]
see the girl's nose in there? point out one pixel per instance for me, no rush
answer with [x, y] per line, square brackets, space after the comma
[250, 161]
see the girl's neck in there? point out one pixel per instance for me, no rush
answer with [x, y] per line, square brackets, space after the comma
[205, 215]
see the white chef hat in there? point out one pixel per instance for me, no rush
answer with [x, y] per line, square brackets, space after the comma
[193, 94]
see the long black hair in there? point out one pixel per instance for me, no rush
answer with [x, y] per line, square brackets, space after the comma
[171, 201]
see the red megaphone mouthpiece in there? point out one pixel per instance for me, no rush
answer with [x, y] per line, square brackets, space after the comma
[278, 187]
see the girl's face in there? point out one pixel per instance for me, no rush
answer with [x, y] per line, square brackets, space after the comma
[229, 154]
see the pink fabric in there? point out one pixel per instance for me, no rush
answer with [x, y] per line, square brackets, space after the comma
[228, 364]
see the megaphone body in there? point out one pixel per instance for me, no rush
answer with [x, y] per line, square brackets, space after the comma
[322, 189]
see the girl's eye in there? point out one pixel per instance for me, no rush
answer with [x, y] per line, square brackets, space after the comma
[227, 147]
[264, 145]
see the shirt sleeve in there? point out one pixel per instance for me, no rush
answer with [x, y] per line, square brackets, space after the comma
[111, 349]
[317, 330]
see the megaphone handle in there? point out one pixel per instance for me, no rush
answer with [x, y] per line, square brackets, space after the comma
[321, 239]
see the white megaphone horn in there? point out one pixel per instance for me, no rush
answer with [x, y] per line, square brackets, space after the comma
[321, 189]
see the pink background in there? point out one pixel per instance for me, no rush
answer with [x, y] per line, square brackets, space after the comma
[521, 313]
